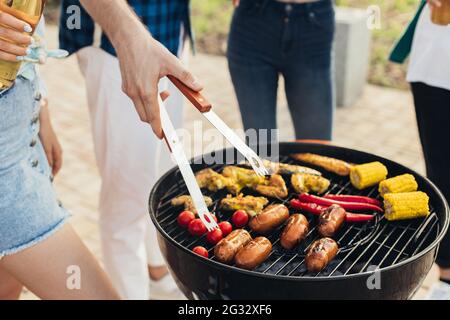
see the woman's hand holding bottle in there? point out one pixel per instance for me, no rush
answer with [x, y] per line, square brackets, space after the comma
[14, 40]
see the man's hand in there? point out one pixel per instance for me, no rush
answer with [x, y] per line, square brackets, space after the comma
[142, 63]
[49, 140]
[143, 60]
[13, 42]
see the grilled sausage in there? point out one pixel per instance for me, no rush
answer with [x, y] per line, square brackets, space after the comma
[270, 218]
[320, 254]
[226, 249]
[253, 254]
[330, 220]
[295, 231]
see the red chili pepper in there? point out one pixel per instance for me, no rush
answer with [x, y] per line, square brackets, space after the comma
[355, 217]
[304, 197]
[308, 207]
[350, 198]
[317, 210]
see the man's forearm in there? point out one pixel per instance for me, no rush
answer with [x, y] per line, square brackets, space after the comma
[116, 18]
[143, 60]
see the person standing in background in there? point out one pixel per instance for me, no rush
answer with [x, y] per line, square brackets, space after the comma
[429, 75]
[289, 37]
[130, 158]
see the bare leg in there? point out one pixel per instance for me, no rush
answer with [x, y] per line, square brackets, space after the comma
[157, 273]
[10, 288]
[43, 269]
[445, 274]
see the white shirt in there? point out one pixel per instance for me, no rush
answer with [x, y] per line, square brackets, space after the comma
[430, 54]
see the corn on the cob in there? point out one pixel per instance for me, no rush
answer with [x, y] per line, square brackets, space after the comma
[407, 205]
[368, 174]
[398, 184]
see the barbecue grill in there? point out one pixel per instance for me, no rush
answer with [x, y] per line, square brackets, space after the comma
[377, 259]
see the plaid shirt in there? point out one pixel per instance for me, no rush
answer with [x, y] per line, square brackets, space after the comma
[163, 18]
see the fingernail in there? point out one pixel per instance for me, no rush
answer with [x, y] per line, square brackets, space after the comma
[27, 28]
[20, 58]
[196, 84]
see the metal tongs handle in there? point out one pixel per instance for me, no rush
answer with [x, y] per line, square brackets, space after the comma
[178, 155]
[196, 98]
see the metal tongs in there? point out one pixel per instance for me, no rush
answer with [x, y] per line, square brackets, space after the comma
[178, 155]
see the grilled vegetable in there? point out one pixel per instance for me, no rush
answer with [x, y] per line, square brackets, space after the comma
[350, 198]
[252, 205]
[367, 175]
[408, 205]
[309, 183]
[337, 166]
[201, 251]
[239, 218]
[241, 178]
[316, 209]
[187, 202]
[356, 206]
[185, 218]
[398, 184]
[284, 168]
[211, 180]
[275, 187]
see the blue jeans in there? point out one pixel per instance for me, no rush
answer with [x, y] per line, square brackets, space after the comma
[268, 38]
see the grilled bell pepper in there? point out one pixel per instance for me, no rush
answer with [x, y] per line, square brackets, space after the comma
[398, 184]
[408, 205]
[350, 198]
[367, 175]
[316, 209]
[357, 206]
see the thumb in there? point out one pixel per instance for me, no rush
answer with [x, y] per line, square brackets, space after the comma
[178, 70]
[164, 95]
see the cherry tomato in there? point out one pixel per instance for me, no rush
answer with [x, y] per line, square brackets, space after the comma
[214, 236]
[196, 227]
[201, 251]
[239, 218]
[185, 218]
[226, 228]
[214, 217]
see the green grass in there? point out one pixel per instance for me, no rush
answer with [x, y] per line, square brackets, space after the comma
[211, 19]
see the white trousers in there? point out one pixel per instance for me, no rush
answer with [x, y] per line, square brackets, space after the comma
[130, 160]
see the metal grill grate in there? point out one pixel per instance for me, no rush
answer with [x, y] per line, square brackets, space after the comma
[363, 246]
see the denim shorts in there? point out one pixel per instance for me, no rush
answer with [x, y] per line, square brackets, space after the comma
[29, 209]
